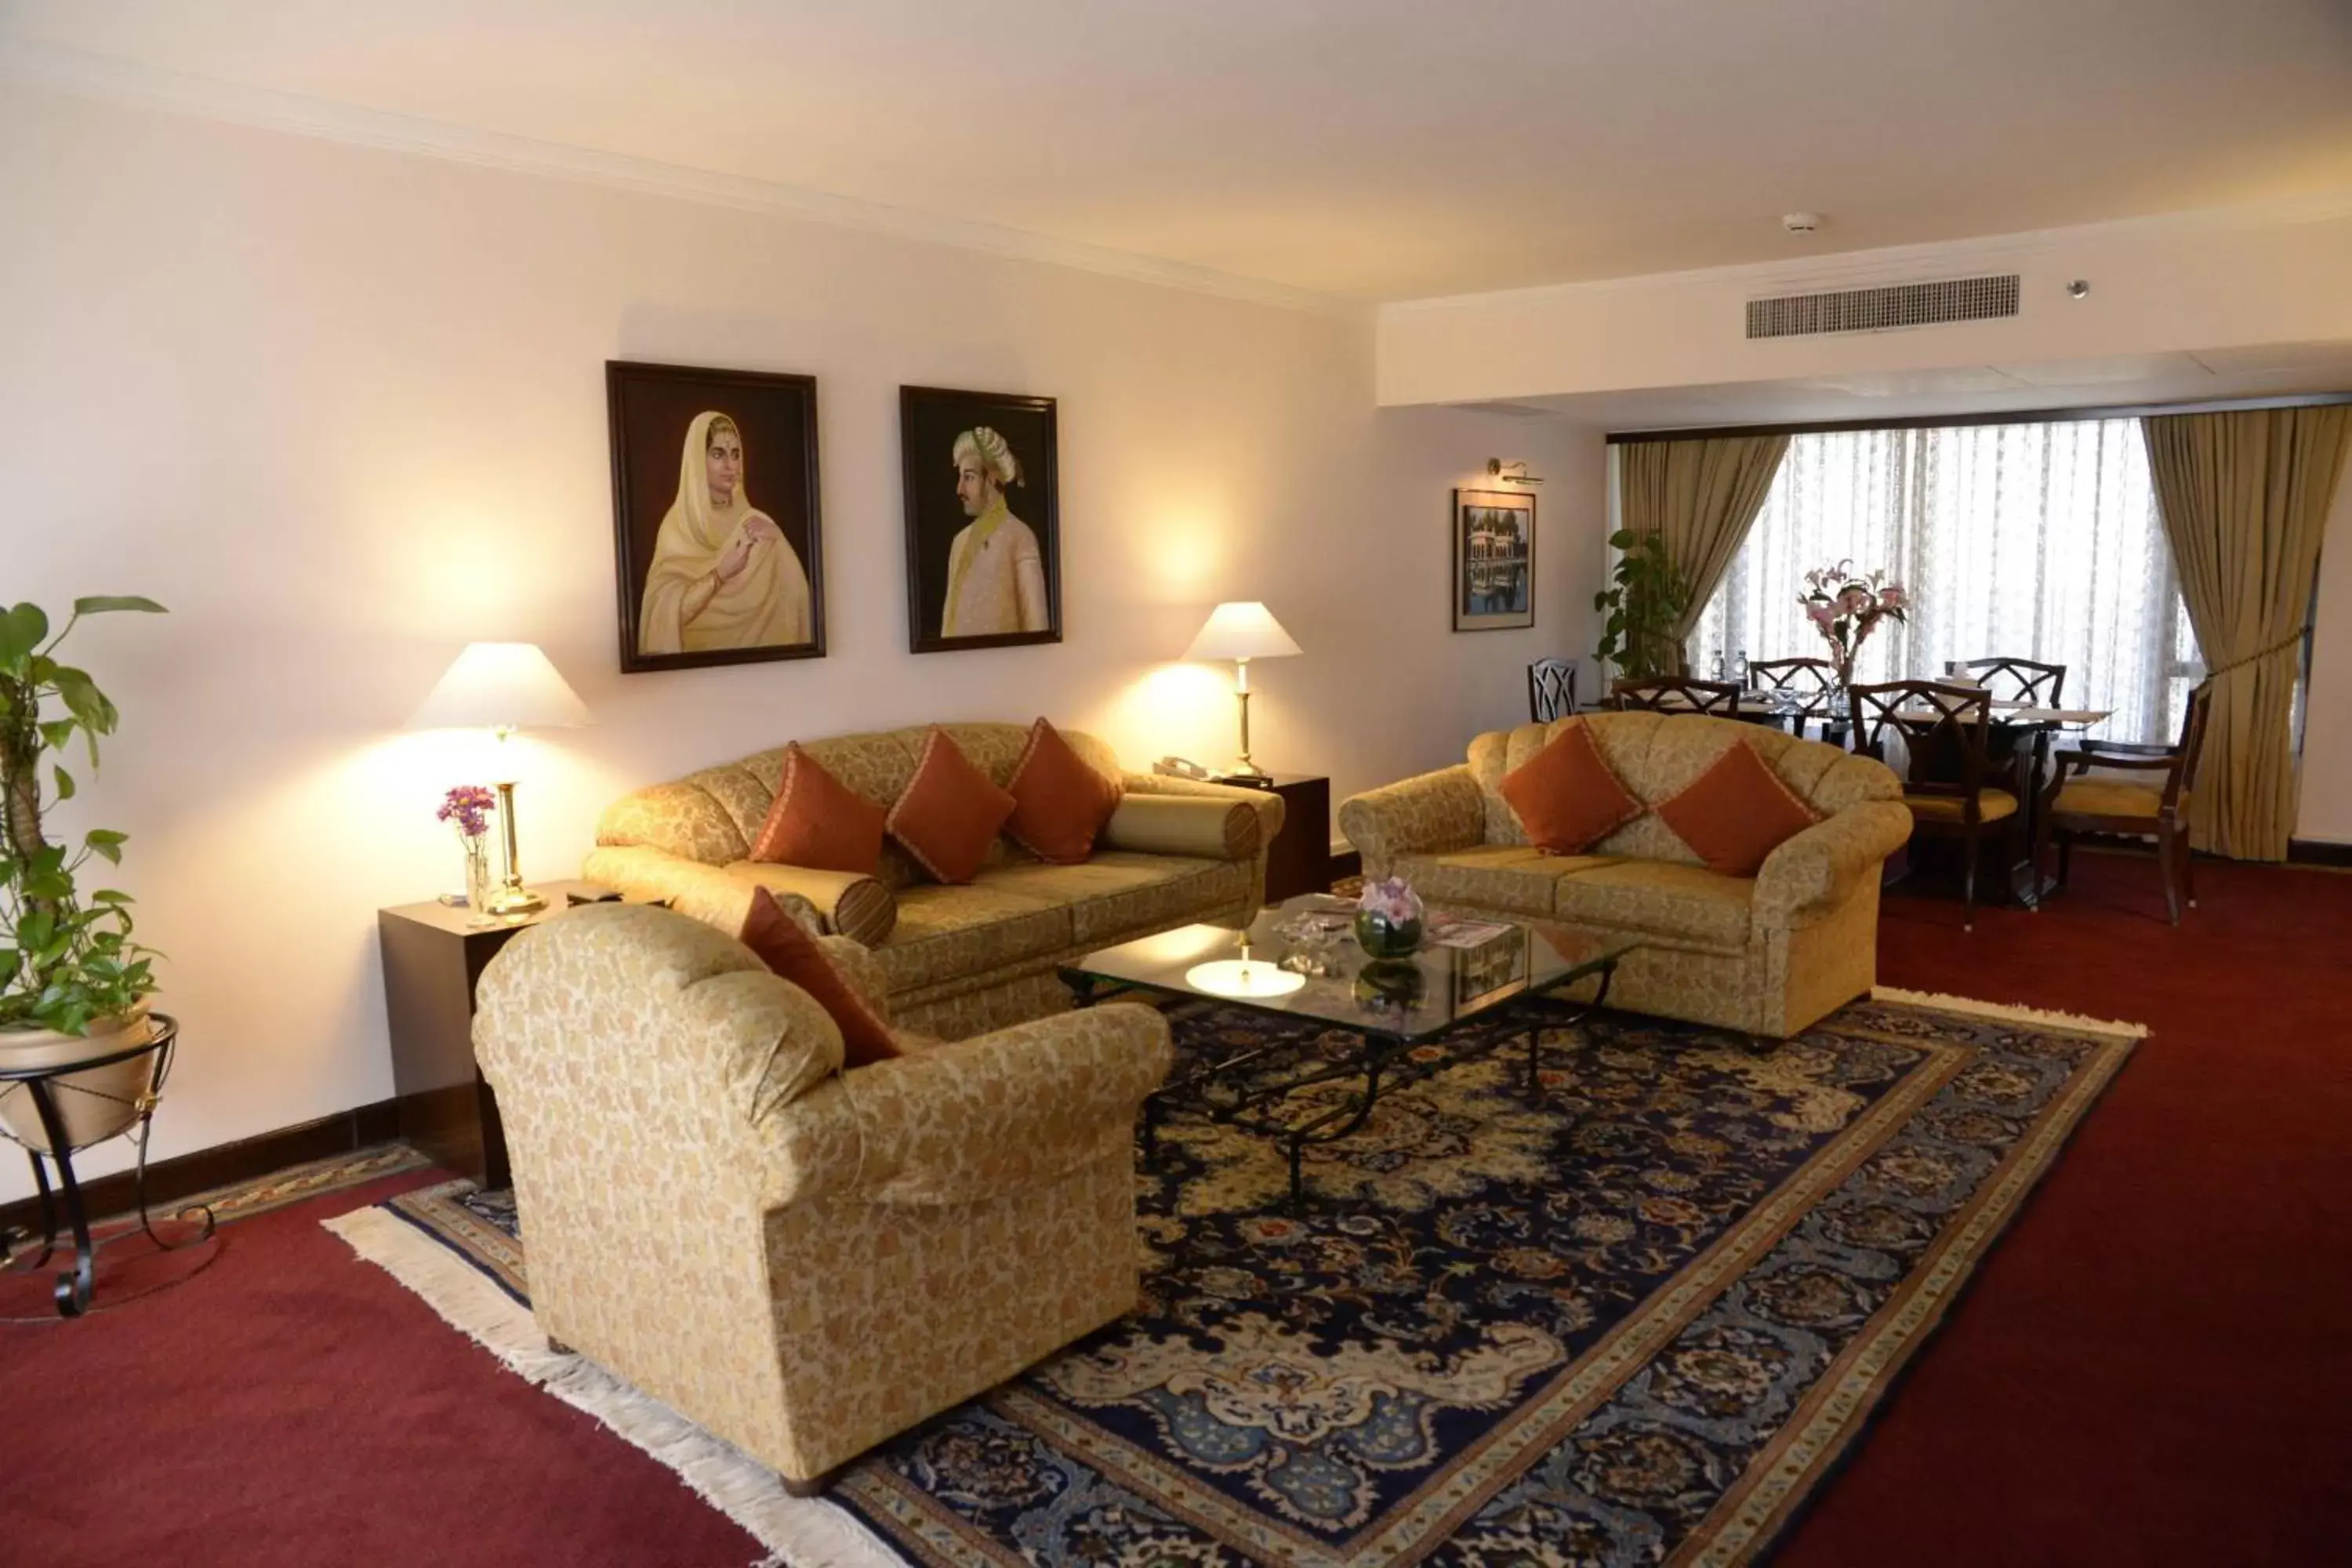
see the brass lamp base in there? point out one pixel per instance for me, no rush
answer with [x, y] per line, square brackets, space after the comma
[511, 898]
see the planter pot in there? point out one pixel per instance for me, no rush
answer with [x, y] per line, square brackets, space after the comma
[1381, 937]
[94, 1104]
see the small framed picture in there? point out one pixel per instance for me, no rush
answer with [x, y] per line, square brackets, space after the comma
[1493, 560]
[983, 518]
[718, 551]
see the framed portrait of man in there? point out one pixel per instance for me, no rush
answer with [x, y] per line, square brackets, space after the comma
[983, 518]
[718, 551]
[1493, 560]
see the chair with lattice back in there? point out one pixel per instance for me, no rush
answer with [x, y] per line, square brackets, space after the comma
[1944, 731]
[1551, 689]
[2026, 680]
[1677, 694]
[1810, 682]
[2130, 788]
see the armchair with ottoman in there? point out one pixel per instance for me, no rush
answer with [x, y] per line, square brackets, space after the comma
[802, 1259]
[957, 958]
[1767, 953]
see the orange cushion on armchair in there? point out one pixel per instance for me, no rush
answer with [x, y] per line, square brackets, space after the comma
[790, 952]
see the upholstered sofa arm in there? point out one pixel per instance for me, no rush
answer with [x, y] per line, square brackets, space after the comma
[849, 903]
[1820, 867]
[716, 897]
[974, 1118]
[1430, 815]
[862, 970]
[1232, 824]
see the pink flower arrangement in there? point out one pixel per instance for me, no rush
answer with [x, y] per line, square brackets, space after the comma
[1845, 606]
[470, 807]
[1393, 898]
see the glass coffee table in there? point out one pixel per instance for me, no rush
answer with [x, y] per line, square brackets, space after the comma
[1300, 961]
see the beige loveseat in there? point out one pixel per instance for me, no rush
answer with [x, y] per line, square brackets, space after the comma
[802, 1260]
[1766, 954]
[956, 959]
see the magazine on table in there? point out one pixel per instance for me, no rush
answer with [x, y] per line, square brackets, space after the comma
[1460, 930]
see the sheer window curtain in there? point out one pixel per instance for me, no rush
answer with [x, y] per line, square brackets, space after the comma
[2020, 541]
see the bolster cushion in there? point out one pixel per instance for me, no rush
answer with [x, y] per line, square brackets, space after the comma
[1212, 829]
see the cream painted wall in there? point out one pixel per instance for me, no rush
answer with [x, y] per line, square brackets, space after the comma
[342, 411]
[2324, 808]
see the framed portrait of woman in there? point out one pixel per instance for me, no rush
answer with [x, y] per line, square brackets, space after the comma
[720, 554]
[983, 518]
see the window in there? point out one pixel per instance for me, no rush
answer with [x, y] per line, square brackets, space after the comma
[2027, 540]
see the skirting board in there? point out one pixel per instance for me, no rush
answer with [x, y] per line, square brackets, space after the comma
[247, 1159]
[2317, 852]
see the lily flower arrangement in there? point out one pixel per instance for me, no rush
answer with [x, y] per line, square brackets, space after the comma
[1845, 606]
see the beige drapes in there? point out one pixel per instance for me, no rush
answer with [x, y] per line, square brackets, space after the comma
[2244, 498]
[1701, 497]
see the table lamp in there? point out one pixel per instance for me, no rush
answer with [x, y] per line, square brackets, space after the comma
[502, 687]
[1242, 631]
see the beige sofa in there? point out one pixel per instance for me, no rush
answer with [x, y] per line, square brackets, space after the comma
[957, 960]
[802, 1260]
[1766, 954]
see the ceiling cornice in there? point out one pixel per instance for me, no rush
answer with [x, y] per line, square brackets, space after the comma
[144, 87]
[1904, 263]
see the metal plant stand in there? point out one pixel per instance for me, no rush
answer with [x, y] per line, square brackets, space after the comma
[72, 1290]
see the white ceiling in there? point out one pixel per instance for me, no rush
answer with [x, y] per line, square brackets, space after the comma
[1370, 148]
[2275, 370]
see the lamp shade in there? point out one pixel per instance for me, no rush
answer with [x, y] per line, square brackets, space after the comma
[1242, 629]
[500, 686]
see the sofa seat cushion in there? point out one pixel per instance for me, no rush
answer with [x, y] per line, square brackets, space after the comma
[948, 931]
[1993, 806]
[1660, 898]
[1120, 892]
[1517, 878]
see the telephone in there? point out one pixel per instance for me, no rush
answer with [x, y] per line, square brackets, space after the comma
[1181, 768]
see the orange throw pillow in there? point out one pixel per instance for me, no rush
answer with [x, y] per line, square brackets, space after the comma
[950, 812]
[1059, 802]
[792, 953]
[1567, 796]
[819, 822]
[1736, 813]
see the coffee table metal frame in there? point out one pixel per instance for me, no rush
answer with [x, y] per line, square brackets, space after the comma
[1385, 1062]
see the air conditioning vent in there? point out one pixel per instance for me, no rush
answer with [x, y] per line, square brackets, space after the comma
[1883, 308]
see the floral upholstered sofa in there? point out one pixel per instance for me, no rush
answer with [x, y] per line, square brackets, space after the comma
[801, 1259]
[956, 959]
[1766, 954]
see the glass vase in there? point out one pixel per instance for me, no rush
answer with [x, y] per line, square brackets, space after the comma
[478, 885]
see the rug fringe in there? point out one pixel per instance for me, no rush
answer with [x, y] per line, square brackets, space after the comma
[798, 1532]
[1969, 1005]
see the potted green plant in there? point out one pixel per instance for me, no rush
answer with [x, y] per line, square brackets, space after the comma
[1646, 596]
[71, 975]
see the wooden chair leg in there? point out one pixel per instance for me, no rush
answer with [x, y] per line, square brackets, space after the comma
[2065, 856]
[1969, 878]
[2167, 852]
[2188, 866]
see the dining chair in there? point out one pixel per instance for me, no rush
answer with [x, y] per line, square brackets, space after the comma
[1677, 694]
[1551, 689]
[2134, 789]
[1944, 732]
[2025, 680]
[1813, 682]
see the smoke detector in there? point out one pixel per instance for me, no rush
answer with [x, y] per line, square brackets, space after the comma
[1801, 222]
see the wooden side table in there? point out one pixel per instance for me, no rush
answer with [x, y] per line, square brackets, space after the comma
[1301, 859]
[433, 957]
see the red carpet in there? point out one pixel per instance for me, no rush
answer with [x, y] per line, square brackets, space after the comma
[2152, 1369]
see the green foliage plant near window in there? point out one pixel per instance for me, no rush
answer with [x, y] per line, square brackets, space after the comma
[66, 957]
[1642, 602]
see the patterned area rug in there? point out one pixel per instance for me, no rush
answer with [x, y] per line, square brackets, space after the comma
[1637, 1324]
